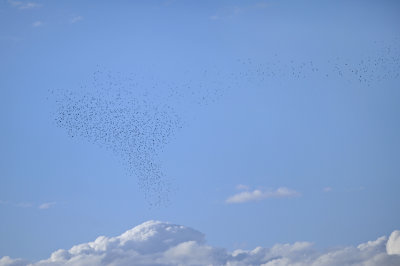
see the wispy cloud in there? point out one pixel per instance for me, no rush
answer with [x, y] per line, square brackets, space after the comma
[24, 204]
[37, 24]
[75, 19]
[257, 195]
[27, 204]
[327, 189]
[16, 204]
[46, 205]
[242, 187]
[23, 5]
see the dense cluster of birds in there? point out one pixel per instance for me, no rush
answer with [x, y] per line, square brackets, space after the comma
[113, 113]
[136, 116]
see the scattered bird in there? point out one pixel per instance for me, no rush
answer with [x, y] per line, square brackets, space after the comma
[136, 116]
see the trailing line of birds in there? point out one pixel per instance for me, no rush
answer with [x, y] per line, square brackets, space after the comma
[136, 116]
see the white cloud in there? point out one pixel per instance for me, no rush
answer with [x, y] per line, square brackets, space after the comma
[46, 205]
[157, 243]
[393, 244]
[37, 24]
[75, 19]
[258, 194]
[7, 261]
[23, 5]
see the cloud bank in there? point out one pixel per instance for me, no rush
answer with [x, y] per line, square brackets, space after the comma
[257, 194]
[158, 243]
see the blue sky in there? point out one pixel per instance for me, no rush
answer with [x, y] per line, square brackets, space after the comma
[272, 105]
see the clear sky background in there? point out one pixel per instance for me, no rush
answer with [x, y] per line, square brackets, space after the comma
[283, 118]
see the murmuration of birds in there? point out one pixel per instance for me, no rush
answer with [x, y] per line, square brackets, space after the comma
[136, 116]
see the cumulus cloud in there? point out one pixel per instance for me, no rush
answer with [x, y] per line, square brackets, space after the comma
[393, 244]
[7, 261]
[158, 243]
[258, 194]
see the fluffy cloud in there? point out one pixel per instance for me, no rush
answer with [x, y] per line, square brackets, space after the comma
[157, 243]
[393, 244]
[257, 194]
[7, 261]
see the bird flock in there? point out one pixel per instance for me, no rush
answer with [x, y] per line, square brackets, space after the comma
[136, 116]
[112, 113]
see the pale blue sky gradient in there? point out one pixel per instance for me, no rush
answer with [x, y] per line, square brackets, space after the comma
[306, 134]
